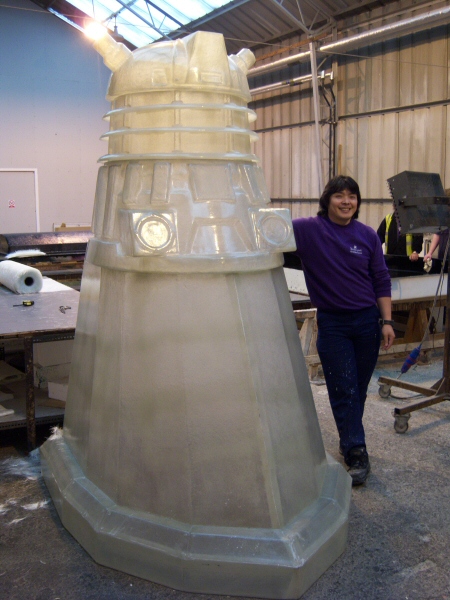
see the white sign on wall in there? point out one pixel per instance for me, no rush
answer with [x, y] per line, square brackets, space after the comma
[19, 201]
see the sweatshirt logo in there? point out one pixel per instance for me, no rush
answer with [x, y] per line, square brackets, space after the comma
[355, 250]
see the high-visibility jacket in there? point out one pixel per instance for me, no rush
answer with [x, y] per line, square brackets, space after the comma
[409, 237]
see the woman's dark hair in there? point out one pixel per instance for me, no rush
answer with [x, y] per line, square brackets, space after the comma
[335, 185]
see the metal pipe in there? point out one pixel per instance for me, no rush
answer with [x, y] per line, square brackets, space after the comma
[288, 83]
[386, 32]
[278, 64]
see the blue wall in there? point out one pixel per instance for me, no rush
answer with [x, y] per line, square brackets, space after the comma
[52, 100]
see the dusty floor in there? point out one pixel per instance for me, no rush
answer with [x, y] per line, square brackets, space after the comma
[399, 526]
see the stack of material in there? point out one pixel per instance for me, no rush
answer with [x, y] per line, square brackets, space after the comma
[8, 375]
[51, 370]
[57, 391]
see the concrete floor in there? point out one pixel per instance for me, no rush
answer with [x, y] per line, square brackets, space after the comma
[399, 527]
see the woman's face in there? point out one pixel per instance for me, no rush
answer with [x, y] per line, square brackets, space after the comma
[342, 207]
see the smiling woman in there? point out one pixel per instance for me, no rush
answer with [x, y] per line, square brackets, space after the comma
[340, 194]
[349, 284]
[343, 205]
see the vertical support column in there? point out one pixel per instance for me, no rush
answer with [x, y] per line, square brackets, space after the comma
[316, 103]
[332, 128]
[30, 402]
[446, 365]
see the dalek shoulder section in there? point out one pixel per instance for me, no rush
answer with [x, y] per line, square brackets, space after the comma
[180, 216]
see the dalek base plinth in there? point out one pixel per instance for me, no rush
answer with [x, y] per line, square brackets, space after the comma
[253, 562]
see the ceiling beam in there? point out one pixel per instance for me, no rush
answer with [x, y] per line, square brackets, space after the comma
[128, 7]
[301, 23]
[287, 13]
[166, 14]
[218, 12]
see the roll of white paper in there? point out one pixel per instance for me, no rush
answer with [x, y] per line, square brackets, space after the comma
[20, 278]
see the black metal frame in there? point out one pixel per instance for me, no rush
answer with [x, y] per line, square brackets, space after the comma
[404, 189]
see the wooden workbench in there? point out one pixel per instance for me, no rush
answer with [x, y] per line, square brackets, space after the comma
[52, 317]
[412, 300]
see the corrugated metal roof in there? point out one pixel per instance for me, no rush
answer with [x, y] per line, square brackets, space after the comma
[244, 23]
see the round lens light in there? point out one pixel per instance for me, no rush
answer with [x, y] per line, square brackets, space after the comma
[274, 230]
[155, 233]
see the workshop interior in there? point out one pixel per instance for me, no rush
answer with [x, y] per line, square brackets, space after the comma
[158, 345]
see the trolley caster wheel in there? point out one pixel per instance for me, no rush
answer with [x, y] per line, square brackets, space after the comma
[401, 423]
[384, 390]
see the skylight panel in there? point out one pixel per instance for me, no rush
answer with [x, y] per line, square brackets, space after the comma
[141, 23]
[180, 16]
[100, 11]
[151, 16]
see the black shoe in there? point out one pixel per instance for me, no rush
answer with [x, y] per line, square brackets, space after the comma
[358, 465]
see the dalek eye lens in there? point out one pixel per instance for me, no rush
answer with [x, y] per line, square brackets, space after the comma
[154, 233]
[274, 230]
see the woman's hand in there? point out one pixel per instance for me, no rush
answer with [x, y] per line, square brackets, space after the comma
[388, 336]
[414, 256]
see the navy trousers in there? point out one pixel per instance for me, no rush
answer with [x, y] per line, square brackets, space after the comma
[348, 344]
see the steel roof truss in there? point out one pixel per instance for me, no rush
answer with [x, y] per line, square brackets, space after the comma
[320, 10]
[136, 14]
[301, 23]
[159, 9]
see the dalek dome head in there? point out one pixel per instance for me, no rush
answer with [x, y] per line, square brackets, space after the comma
[181, 188]
[177, 99]
[198, 62]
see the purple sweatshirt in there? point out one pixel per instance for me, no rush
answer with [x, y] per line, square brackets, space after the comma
[343, 264]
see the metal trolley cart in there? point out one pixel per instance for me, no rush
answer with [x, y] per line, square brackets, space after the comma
[421, 206]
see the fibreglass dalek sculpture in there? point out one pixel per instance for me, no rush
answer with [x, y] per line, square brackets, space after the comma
[191, 453]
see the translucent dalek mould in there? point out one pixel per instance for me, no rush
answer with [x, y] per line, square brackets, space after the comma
[191, 453]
